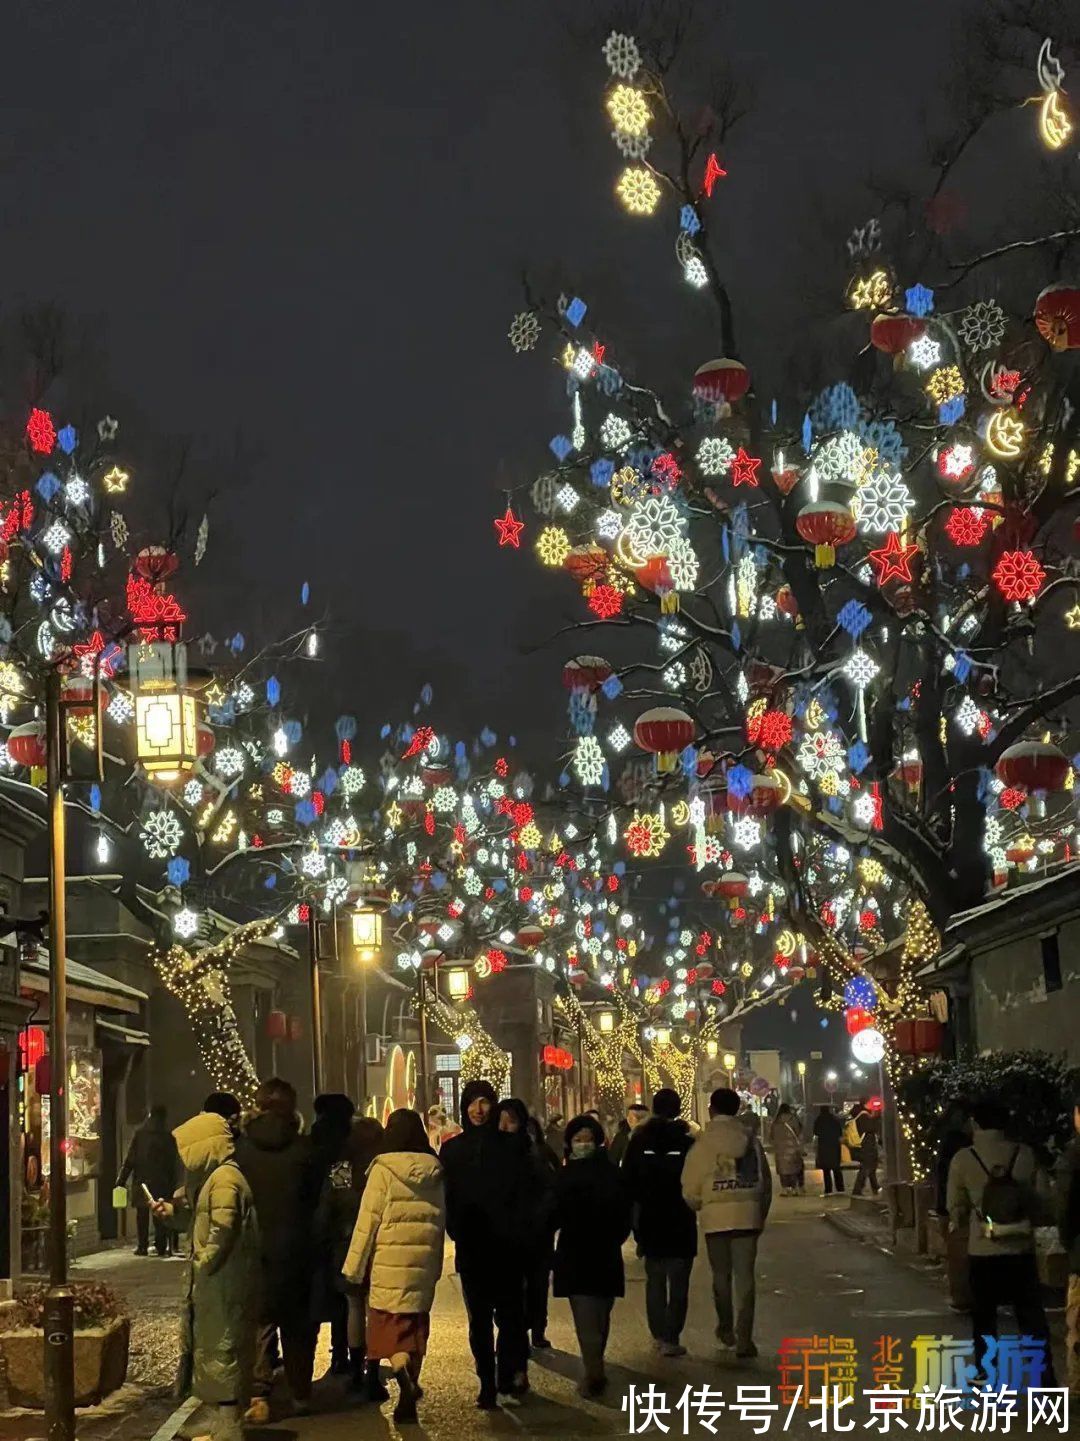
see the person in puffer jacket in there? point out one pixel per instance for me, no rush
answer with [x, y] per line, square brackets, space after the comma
[398, 1246]
[726, 1180]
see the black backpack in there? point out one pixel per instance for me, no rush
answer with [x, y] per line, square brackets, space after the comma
[1004, 1202]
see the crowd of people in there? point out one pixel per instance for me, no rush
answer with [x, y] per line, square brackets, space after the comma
[345, 1223]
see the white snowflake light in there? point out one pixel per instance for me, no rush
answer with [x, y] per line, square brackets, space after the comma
[618, 737]
[924, 352]
[121, 708]
[622, 55]
[192, 792]
[864, 808]
[185, 923]
[860, 669]
[840, 457]
[445, 800]
[682, 564]
[967, 716]
[608, 525]
[55, 537]
[299, 784]
[653, 525]
[675, 676]
[229, 762]
[313, 864]
[821, 754]
[524, 331]
[714, 455]
[161, 834]
[351, 780]
[567, 499]
[280, 742]
[746, 833]
[615, 433]
[982, 326]
[882, 504]
[77, 491]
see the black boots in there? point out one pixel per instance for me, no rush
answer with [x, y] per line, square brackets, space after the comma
[364, 1378]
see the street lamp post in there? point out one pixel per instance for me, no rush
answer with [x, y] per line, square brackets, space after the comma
[730, 1061]
[802, 1076]
[367, 940]
[314, 958]
[59, 1321]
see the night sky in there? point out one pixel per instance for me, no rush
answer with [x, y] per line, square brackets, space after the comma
[304, 226]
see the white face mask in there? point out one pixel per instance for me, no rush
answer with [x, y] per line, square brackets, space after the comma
[582, 1146]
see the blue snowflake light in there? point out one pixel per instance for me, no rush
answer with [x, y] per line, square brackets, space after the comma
[952, 410]
[178, 871]
[854, 617]
[560, 446]
[858, 757]
[601, 471]
[919, 300]
[48, 485]
[961, 666]
[689, 220]
[740, 781]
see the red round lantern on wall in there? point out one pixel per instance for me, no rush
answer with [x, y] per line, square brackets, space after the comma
[733, 886]
[277, 1025]
[892, 334]
[586, 672]
[825, 524]
[26, 744]
[665, 732]
[721, 382]
[1034, 765]
[1057, 316]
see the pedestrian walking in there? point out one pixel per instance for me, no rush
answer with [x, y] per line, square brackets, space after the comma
[592, 1214]
[787, 1151]
[220, 1304]
[152, 1161]
[554, 1132]
[494, 1218]
[1068, 1222]
[282, 1168]
[365, 1142]
[632, 1118]
[868, 1126]
[397, 1246]
[665, 1227]
[993, 1195]
[828, 1132]
[513, 1119]
[335, 1216]
[955, 1136]
[726, 1180]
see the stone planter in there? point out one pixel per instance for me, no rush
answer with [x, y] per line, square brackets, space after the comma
[101, 1360]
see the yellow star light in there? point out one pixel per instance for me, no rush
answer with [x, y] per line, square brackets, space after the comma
[115, 480]
[1072, 617]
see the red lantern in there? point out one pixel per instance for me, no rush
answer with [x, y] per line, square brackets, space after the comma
[1057, 316]
[33, 1044]
[529, 937]
[857, 1019]
[557, 1057]
[654, 575]
[77, 695]
[205, 739]
[587, 562]
[892, 334]
[1018, 855]
[786, 602]
[586, 672]
[155, 564]
[796, 974]
[910, 771]
[825, 524]
[733, 886]
[704, 970]
[721, 382]
[277, 1025]
[1034, 765]
[26, 744]
[665, 732]
[764, 797]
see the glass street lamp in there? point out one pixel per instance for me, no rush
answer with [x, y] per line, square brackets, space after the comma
[457, 983]
[711, 1049]
[166, 733]
[729, 1061]
[605, 1022]
[662, 1036]
[367, 932]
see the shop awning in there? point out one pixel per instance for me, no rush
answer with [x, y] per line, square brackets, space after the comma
[85, 984]
[121, 1035]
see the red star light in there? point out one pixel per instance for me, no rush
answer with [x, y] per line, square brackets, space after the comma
[1018, 575]
[713, 172]
[893, 560]
[965, 526]
[509, 528]
[744, 468]
[96, 646]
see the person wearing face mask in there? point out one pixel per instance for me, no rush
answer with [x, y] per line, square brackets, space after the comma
[492, 1215]
[592, 1213]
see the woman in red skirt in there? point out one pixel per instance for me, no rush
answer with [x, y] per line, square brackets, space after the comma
[398, 1246]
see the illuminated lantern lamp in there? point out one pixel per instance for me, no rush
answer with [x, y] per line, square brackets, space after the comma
[1057, 316]
[26, 744]
[529, 937]
[155, 564]
[909, 771]
[825, 524]
[763, 798]
[857, 1019]
[33, 1043]
[786, 603]
[732, 886]
[666, 732]
[277, 1026]
[721, 382]
[892, 334]
[587, 562]
[367, 930]
[166, 739]
[430, 959]
[1019, 855]
[586, 672]
[1033, 765]
[205, 739]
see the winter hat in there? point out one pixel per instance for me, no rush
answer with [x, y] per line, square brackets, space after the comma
[469, 1093]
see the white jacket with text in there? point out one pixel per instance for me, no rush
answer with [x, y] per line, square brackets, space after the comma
[726, 1178]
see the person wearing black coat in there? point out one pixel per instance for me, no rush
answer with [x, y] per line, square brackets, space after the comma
[152, 1161]
[592, 1213]
[283, 1169]
[538, 1269]
[495, 1217]
[665, 1228]
[828, 1132]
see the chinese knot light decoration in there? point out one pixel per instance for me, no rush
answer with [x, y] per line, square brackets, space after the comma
[721, 382]
[1057, 316]
[665, 732]
[825, 524]
[1035, 765]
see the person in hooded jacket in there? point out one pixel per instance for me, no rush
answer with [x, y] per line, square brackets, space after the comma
[592, 1213]
[665, 1227]
[335, 1215]
[787, 1150]
[151, 1161]
[283, 1169]
[828, 1133]
[512, 1118]
[220, 1310]
[398, 1246]
[726, 1180]
[495, 1218]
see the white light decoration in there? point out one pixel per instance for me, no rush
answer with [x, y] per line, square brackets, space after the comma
[185, 923]
[860, 670]
[55, 537]
[609, 525]
[924, 352]
[121, 708]
[161, 834]
[714, 455]
[653, 525]
[444, 800]
[618, 737]
[104, 850]
[337, 888]
[229, 762]
[675, 676]
[864, 809]
[682, 564]
[77, 491]
[881, 504]
[192, 793]
[280, 742]
[615, 433]
[746, 579]
[746, 833]
[622, 55]
[967, 716]
[313, 864]
[868, 1046]
[45, 641]
[957, 461]
[299, 784]
[567, 499]
[583, 363]
[821, 755]
[839, 458]
[351, 780]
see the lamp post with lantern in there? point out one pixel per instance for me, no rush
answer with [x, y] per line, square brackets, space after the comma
[367, 934]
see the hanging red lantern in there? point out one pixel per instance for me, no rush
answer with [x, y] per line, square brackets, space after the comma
[1034, 765]
[529, 937]
[786, 602]
[155, 564]
[763, 798]
[856, 1019]
[277, 1025]
[732, 886]
[26, 744]
[909, 771]
[33, 1043]
[786, 479]
[586, 672]
[654, 575]
[892, 334]
[587, 562]
[1019, 854]
[1057, 316]
[795, 974]
[666, 732]
[721, 382]
[825, 524]
[205, 739]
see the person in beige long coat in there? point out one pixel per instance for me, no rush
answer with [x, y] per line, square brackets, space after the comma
[397, 1245]
[221, 1300]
